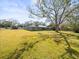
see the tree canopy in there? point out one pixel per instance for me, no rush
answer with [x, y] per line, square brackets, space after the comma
[58, 11]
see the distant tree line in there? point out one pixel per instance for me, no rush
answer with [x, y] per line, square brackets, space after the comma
[13, 24]
[71, 24]
[8, 23]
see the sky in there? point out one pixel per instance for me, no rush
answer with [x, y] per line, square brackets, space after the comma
[16, 9]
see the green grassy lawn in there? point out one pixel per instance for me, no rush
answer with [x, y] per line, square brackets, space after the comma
[44, 48]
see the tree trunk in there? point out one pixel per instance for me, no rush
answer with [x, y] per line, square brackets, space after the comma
[57, 28]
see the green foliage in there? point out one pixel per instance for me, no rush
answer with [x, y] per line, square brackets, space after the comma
[34, 23]
[73, 22]
[5, 23]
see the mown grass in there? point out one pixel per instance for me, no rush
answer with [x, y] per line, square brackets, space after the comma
[40, 44]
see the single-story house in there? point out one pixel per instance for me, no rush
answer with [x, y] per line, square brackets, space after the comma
[37, 28]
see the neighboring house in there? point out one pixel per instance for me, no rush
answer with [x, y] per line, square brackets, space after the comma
[37, 28]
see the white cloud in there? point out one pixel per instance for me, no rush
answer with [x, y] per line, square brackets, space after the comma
[16, 10]
[13, 10]
[34, 1]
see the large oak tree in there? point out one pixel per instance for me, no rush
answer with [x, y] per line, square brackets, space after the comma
[55, 10]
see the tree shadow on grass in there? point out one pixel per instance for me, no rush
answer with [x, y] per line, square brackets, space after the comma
[72, 53]
[68, 35]
[18, 52]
